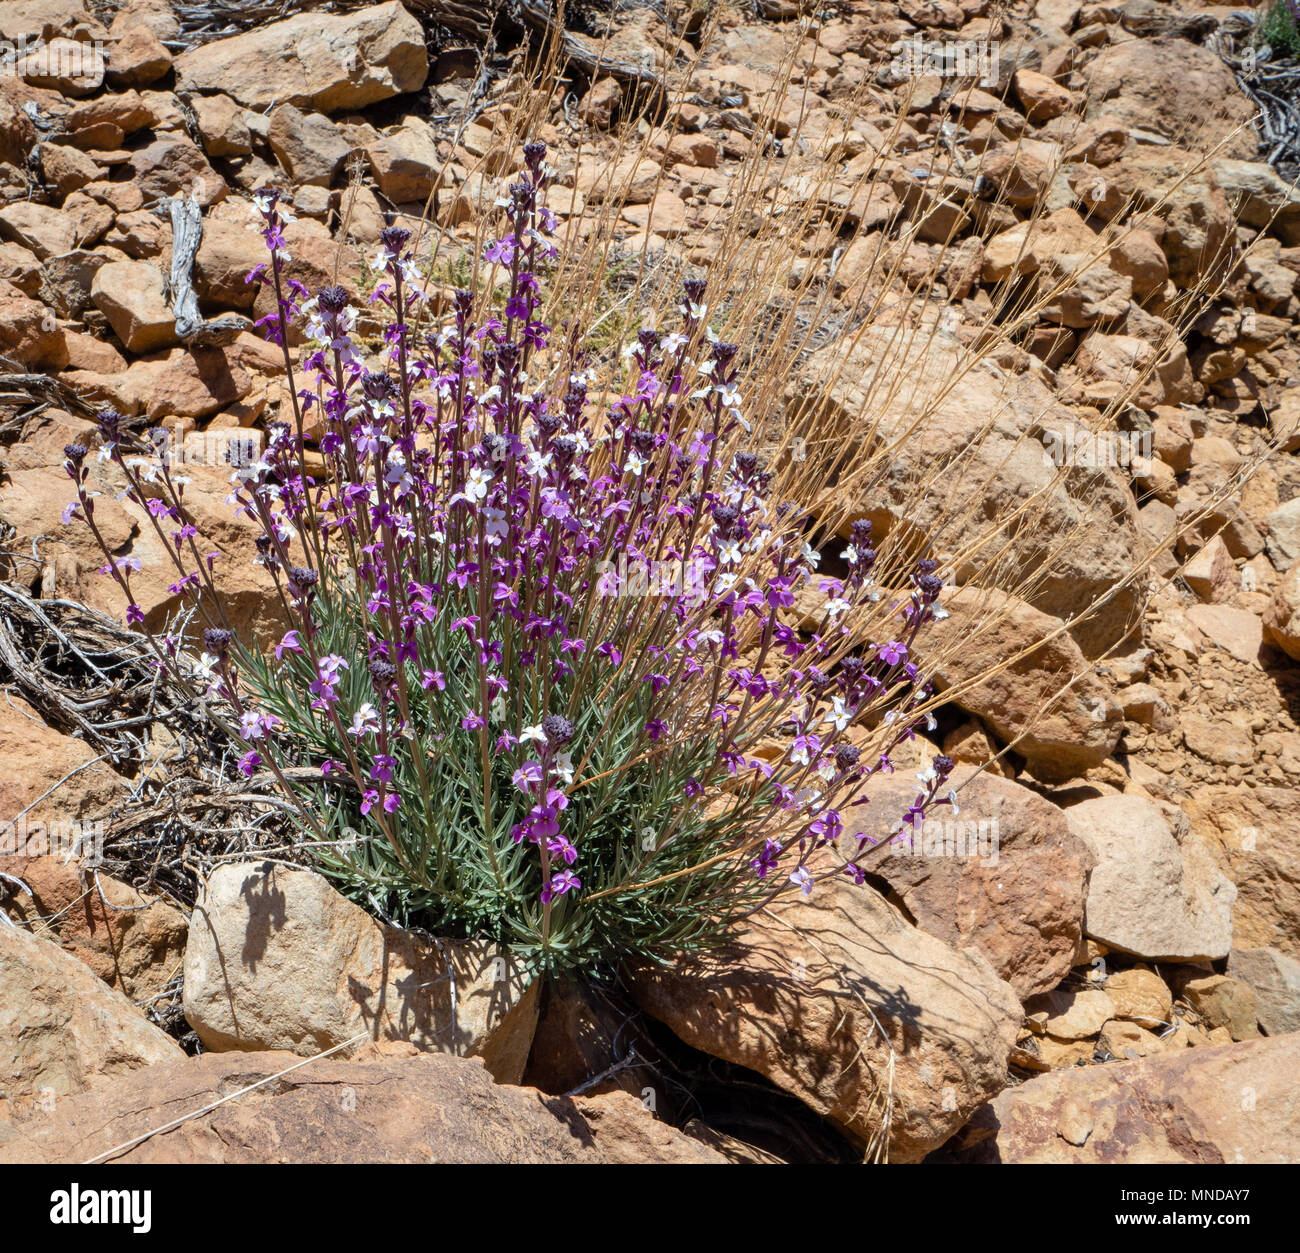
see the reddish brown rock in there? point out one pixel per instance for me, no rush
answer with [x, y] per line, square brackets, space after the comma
[132, 943]
[62, 1028]
[1236, 1103]
[138, 59]
[799, 997]
[314, 60]
[1061, 734]
[1005, 875]
[396, 1107]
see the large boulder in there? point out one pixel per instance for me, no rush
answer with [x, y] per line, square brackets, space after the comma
[981, 438]
[1275, 980]
[1173, 88]
[838, 1000]
[1258, 831]
[277, 959]
[1156, 890]
[62, 1027]
[1233, 1103]
[401, 1107]
[1009, 663]
[313, 60]
[1004, 876]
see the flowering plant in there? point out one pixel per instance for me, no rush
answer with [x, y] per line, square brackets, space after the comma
[543, 648]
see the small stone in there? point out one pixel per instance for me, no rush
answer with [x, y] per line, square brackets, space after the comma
[1141, 996]
[1222, 1001]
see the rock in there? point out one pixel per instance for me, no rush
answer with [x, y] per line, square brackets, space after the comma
[1223, 1002]
[68, 66]
[664, 215]
[67, 169]
[1061, 734]
[1142, 703]
[1237, 631]
[153, 15]
[1175, 186]
[1283, 526]
[227, 254]
[277, 959]
[1127, 1041]
[1235, 1103]
[1258, 831]
[130, 295]
[313, 60]
[29, 331]
[1281, 624]
[1176, 89]
[1275, 980]
[799, 1011]
[52, 779]
[309, 146]
[1071, 1015]
[132, 943]
[951, 405]
[1211, 574]
[1115, 368]
[1005, 876]
[172, 166]
[1137, 256]
[598, 105]
[1219, 742]
[222, 126]
[1141, 996]
[61, 1027]
[1042, 97]
[398, 1107]
[17, 134]
[42, 230]
[138, 59]
[1260, 197]
[406, 163]
[1155, 890]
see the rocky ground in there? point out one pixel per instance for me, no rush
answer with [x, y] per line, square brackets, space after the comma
[1133, 953]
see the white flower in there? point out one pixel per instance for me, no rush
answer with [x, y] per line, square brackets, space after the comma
[564, 766]
[836, 606]
[532, 733]
[729, 552]
[206, 668]
[476, 485]
[635, 462]
[811, 556]
[838, 716]
[850, 554]
[803, 879]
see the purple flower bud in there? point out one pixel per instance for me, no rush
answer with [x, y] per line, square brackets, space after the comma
[558, 729]
[217, 640]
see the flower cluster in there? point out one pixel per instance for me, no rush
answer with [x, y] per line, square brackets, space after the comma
[542, 756]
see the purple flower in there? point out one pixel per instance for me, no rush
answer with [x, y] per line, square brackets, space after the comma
[891, 653]
[562, 882]
[249, 762]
